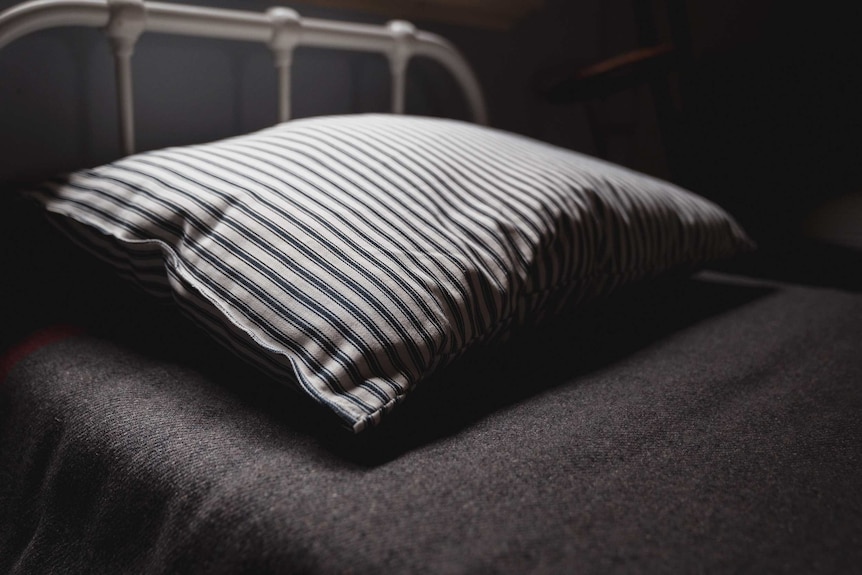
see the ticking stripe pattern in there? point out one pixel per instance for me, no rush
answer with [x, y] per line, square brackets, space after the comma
[351, 256]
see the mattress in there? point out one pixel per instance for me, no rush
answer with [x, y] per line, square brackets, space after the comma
[708, 423]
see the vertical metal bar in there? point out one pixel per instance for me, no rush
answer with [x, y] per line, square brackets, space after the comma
[403, 37]
[284, 92]
[125, 24]
[125, 101]
[286, 30]
[398, 88]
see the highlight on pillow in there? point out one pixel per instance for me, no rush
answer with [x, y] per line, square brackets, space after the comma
[352, 256]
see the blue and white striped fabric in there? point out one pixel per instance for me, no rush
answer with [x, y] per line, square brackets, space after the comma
[352, 256]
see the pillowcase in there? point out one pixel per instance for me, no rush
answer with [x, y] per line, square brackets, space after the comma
[352, 256]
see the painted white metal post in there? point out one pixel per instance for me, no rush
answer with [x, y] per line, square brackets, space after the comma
[126, 22]
[286, 31]
[403, 37]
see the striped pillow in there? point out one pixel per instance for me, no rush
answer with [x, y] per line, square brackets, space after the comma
[352, 256]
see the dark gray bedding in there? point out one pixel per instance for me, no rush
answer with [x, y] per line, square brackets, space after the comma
[705, 425]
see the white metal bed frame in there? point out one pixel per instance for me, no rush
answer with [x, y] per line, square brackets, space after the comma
[282, 29]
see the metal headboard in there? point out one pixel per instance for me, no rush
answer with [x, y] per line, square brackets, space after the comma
[282, 29]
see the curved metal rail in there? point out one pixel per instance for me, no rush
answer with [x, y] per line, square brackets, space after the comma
[282, 29]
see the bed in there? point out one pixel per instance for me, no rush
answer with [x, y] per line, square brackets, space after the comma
[678, 406]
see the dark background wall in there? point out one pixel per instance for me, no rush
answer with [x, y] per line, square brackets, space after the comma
[767, 107]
